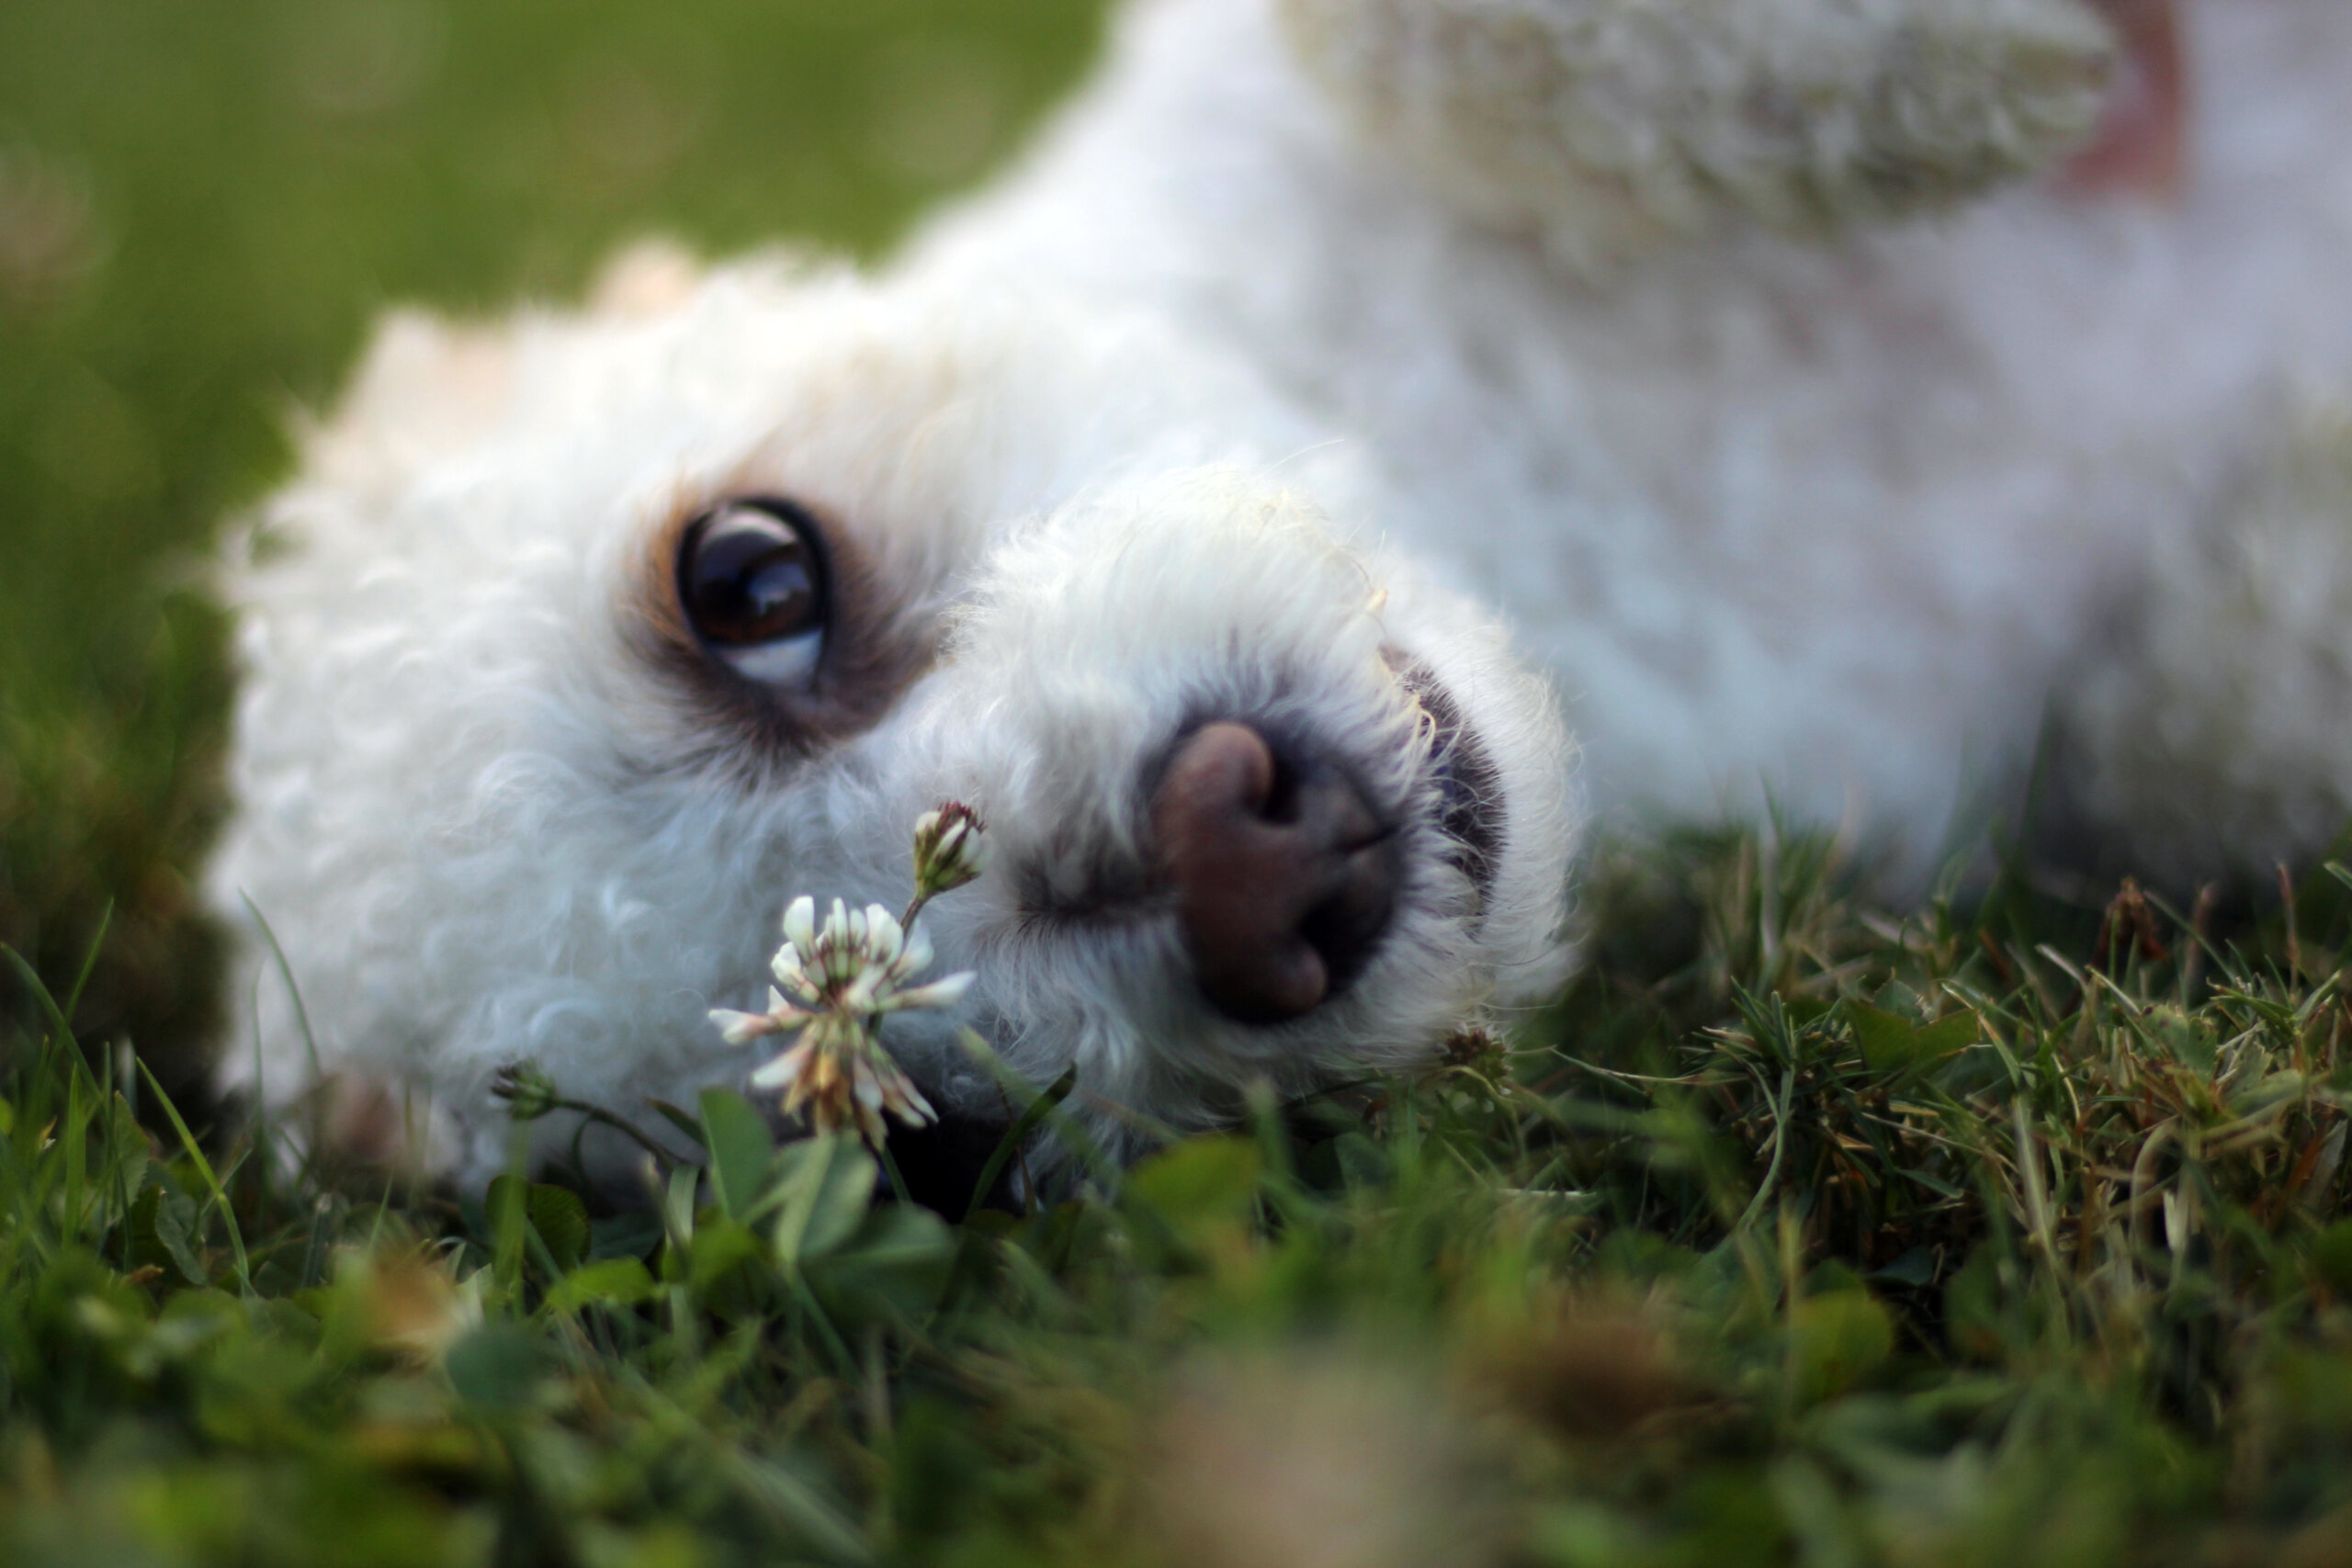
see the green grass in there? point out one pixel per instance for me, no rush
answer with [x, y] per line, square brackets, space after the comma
[2007, 1231]
[1798, 1233]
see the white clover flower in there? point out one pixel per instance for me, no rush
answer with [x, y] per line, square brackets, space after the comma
[843, 1078]
[836, 982]
[858, 961]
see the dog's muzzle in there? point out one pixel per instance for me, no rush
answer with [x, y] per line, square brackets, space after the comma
[1285, 873]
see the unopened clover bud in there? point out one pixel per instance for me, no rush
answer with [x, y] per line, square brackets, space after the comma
[528, 1090]
[949, 849]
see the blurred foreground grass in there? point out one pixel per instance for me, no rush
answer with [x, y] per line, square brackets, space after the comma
[201, 207]
[1800, 1234]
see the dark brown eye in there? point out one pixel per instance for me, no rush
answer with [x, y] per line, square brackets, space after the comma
[753, 582]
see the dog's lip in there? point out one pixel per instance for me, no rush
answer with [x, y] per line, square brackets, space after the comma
[1470, 804]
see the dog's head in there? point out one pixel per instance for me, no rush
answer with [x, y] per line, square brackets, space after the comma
[585, 643]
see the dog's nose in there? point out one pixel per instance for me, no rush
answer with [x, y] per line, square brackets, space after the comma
[1284, 875]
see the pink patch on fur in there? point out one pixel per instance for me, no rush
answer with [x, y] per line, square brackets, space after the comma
[2141, 146]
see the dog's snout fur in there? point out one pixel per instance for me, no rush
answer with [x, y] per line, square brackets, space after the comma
[1286, 874]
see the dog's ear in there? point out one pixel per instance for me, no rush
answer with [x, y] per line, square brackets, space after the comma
[424, 386]
[1603, 125]
[648, 277]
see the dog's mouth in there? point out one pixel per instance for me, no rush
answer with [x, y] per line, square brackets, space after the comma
[1470, 796]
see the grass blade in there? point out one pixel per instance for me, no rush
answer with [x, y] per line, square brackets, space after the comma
[1036, 1111]
[212, 1182]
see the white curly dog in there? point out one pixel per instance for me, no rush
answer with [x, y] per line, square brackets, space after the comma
[1834, 398]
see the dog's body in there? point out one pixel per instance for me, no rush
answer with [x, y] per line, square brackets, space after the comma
[1825, 521]
[1315, 324]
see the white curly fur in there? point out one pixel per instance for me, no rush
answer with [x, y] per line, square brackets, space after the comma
[1317, 329]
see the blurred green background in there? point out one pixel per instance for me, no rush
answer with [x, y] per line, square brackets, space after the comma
[201, 207]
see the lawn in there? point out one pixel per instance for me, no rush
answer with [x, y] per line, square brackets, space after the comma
[2006, 1230]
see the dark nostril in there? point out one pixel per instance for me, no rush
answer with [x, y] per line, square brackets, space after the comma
[1281, 801]
[1283, 874]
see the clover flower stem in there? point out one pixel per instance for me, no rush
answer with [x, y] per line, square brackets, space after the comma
[626, 1129]
[547, 1102]
[914, 908]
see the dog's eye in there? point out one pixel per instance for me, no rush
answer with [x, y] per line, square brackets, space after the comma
[753, 582]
